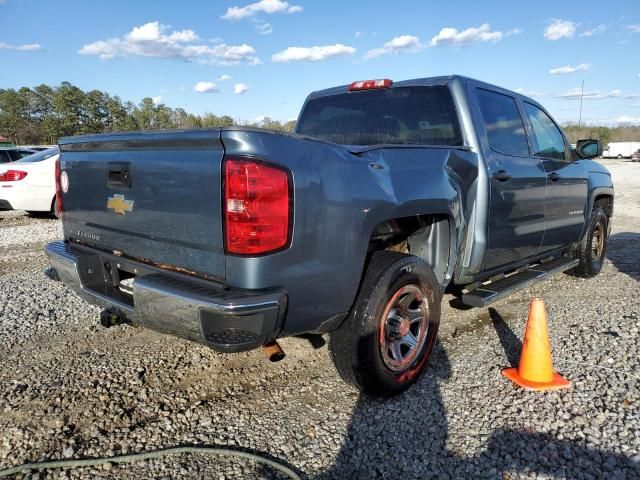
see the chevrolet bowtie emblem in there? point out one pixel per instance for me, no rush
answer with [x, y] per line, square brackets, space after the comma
[119, 204]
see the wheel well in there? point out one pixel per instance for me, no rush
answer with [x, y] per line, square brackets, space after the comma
[426, 236]
[606, 203]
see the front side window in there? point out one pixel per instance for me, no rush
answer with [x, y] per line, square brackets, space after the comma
[547, 137]
[503, 123]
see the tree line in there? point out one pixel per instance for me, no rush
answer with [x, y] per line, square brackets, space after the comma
[43, 114]
[620, 133]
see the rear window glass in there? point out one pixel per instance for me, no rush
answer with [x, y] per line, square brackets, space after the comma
[401, 115]
[40, 156]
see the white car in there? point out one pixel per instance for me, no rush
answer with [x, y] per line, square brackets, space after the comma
[29, 183]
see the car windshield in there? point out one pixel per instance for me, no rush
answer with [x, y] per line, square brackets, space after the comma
[40, 156]
[400, 115]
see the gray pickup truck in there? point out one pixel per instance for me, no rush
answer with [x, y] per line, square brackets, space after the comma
[386, 195]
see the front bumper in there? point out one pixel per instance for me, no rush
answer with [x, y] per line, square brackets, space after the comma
[227, 320]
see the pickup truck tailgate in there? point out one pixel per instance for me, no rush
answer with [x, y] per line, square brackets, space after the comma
[155, 197]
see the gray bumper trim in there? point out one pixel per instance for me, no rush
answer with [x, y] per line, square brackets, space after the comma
[227, 320]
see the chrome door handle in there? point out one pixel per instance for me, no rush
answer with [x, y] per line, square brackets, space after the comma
[501, 176]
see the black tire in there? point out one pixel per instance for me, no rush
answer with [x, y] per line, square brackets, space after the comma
[357, 346]
[38, 214]
[592, 248]
[619, 157]
[54, 208]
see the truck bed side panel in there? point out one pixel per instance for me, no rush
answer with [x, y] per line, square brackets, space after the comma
[339, 200]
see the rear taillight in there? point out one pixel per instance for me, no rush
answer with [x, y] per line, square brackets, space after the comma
[12, 175]
[58, 188]
[257, 207]
[370, 84]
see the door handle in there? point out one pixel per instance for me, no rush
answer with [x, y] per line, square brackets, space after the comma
[119, 175]
[554, 177]
[501, 176]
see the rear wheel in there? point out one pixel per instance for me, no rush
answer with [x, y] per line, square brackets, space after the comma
[619, 157]
[593, 247]
[385, 343]
[54, 208]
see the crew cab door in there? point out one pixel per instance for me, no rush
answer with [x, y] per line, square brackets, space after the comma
[567, 185]
[517, 181]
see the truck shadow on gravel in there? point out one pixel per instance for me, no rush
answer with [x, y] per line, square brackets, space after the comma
[406, 437]
[623, 249]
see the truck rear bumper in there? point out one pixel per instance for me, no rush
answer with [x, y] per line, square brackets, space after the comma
[227, 320]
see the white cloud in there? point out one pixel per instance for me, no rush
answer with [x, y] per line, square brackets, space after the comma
[594, 31]
[224, 78]
[403, 43]
[262, 27]
[359, 34]
[28, 47]
[634, 28]
[157, 100]
[152, 40]
[583, 67]
[240, 88]
[529, 93]
[263, 6]
[627, 119]
[558, 29]
[469, 36]
[515, 31]
[576, 93]
[312, 54]
[205, 87]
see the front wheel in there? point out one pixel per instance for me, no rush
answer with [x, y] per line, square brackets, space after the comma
[593, 247]
[385, 343]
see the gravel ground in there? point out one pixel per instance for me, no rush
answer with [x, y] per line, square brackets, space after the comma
[69, 388]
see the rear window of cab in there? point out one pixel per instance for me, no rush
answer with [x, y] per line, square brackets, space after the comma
[399, 115]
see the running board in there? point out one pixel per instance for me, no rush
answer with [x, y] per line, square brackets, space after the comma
[494, 291]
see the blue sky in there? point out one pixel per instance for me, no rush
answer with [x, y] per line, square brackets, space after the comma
[276, 52]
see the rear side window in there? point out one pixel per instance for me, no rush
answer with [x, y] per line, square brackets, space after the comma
[15, 155]
[503, 123]
[547, 138]
[40, 156]
[4, 156]
[400, 115]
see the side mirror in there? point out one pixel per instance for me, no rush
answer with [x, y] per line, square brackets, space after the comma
[589, 148]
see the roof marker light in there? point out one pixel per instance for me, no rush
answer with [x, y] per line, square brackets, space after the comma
[370, 84]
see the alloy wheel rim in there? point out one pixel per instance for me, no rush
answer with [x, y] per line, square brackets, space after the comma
[404, 328]
[597, 241]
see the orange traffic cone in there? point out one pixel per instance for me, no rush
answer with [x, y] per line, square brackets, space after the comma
[535, 371]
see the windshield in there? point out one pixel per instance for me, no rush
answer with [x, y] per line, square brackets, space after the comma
[40, 156]
[401, 115]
